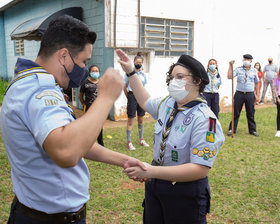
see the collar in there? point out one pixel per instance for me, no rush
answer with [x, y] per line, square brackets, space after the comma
[24, 66]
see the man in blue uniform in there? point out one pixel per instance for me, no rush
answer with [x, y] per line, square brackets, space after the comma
[44, 143]
[247, 76]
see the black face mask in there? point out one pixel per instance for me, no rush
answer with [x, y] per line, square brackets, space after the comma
[77, 76]
[138, 66]
[269, 62]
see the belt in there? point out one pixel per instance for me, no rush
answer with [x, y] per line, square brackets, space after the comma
[57, 218]
[243, 92]
[210, 93]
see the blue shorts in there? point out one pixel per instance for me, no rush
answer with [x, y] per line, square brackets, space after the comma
[133, 106]
[184, 202]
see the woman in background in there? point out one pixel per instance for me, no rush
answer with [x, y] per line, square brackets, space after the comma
[211, 91]
[89, 89]
[261, 79]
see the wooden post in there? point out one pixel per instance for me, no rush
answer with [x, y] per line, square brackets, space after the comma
[232, 107]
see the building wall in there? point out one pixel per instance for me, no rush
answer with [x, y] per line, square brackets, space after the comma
[3, 58]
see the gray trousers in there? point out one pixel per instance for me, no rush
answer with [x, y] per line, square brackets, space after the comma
[265, 85]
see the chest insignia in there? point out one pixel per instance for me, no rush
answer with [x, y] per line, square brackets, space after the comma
[188, 119]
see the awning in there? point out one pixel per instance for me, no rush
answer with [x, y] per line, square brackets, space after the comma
[34, 29]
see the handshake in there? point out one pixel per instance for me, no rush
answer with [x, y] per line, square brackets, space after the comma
[139, 172]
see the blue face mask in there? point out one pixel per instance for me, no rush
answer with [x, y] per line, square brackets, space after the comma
[94, 75]
[212, 67]
[77, 76]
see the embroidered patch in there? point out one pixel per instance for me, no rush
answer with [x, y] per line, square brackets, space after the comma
[188, 119]
[206, 153]
[212, 125]
[49, 93]
[183, 128]
[174, 155]
[51, 102]
[167, 110]
[210, 136]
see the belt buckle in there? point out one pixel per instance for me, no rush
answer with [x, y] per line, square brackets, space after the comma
[73, 217]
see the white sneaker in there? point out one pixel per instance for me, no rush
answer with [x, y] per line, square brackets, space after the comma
[277, 134]
[130, 146]
[143, 143]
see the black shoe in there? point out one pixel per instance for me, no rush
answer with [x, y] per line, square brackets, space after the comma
[254, 133]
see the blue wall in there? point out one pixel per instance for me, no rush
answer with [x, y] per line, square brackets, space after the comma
[93, 13]
[3, 58]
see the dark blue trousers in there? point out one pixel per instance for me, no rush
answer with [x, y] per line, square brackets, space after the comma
[213, 100]
[182, 203]
[249, 99]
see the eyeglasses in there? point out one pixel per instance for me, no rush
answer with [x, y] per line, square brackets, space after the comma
[180, 76]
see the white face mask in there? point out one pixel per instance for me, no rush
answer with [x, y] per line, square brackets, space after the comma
[246, 63]
[177, 89]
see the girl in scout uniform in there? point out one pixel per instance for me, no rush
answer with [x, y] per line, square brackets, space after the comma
[187, 139]
[211, 91]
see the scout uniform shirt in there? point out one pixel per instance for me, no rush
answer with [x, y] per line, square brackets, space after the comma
[214, 84]
[195, 136]
[246, 79]
[33, 106]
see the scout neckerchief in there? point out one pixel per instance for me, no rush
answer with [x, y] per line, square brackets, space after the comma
[212, 74]
[168, 125]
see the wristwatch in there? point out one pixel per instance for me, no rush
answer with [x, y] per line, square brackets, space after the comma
[131, 73]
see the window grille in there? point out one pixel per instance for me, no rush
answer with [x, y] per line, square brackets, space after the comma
[167, 37]
[19, 47]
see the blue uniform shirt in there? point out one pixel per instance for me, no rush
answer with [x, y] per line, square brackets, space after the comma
[141, 75]
[34, 106]
[214, 84]
[246, 79]
[195, 137]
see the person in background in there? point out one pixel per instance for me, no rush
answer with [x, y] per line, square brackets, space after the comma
[276, 85]
[133, 106]
[187, 139]
[269, 71]
[211, 91]
[247, 78]
[89, 90]
[261, 79]
[50, 177]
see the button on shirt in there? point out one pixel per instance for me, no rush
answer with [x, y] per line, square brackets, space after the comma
[214, 84]
[34, 106]
[270, 71]
[246, 79]
[195, 135]
[141, 75]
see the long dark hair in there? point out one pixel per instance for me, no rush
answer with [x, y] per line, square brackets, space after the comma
[260, 68]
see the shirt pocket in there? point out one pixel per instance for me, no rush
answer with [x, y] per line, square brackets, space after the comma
[240, 78]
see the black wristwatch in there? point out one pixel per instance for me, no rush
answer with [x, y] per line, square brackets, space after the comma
[131, 73]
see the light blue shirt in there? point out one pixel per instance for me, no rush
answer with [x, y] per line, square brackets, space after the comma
[141, 75]
[214, 83]
[270, 71]
[34, 106]
[246, 79]
[191, 139]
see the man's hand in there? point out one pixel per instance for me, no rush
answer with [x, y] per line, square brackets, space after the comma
[111, 84]
[231, 62]
[124, 61]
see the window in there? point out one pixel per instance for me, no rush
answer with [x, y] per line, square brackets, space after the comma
[19, 47]
[167, 37]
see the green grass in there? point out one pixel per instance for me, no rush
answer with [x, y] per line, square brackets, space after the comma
[245, 178]
[3, 87]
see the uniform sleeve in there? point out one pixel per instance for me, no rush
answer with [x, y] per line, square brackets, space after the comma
[125, 79]
[235, 72]
[47, 110]
[152, 106]
[264, 69]
[276, 68]
[206, 139]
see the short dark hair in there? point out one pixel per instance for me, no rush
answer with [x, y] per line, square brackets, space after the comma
[92, 66]
[66, 32]
[196, 79]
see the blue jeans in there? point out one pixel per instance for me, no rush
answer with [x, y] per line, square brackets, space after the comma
[16, 217]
